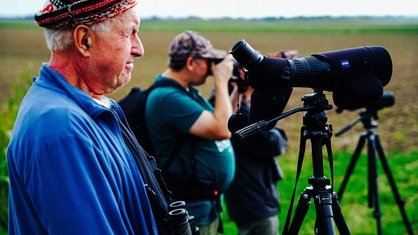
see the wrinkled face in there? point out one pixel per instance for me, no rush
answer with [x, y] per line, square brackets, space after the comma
[111, 61]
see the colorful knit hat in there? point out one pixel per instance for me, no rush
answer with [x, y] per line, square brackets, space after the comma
[193, 44]
[60, 14]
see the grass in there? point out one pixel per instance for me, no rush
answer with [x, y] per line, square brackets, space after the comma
[326, 25]
[357, 214]
[22, 53]
[354, 204]
[8, 114]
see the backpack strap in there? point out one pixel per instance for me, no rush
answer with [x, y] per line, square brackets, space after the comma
[180, 141]
[186, 187]
[158, 194]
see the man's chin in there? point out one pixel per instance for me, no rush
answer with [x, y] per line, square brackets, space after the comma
[123, 79]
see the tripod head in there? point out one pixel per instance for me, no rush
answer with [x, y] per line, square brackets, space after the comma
[369, 113]
[314, 106]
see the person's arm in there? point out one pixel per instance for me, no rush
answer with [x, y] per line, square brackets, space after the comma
[214, 125]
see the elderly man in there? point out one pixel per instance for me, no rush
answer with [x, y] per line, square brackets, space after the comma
[71, 171]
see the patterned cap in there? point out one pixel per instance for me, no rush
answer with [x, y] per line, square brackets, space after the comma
[193, 44]
[60, 14]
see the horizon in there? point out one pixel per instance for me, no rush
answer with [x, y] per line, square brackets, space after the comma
[237, 9]
[151, 17]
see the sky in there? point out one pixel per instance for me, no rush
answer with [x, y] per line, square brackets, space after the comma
[245, 8]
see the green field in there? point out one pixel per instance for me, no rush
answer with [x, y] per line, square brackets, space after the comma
[22, 51]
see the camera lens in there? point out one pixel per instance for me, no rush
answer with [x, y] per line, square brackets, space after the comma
[245, 54]
[176, 205]
[180, 221]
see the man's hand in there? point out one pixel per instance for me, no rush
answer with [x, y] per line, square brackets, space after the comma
[222, 71]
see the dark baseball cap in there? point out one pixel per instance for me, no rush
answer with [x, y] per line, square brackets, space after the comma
[193, 44]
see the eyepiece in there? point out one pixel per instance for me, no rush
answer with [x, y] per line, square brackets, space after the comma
[386, 100]
[245, 54]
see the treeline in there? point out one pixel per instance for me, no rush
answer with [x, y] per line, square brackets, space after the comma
[267, 19]
[281, 18]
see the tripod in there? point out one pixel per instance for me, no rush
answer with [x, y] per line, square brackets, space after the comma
[315, 129]
[326, 201]
[373, 145]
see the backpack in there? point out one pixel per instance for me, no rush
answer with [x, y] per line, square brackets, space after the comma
[133, 105]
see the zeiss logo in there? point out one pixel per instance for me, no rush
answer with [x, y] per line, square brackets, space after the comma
[345, 65]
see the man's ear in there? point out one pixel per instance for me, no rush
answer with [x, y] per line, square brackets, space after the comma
[189, 63]
[82, 39]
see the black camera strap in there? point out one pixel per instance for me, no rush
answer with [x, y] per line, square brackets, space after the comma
[157, 191]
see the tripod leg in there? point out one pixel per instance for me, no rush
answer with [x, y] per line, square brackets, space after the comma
[399, 201]
[373, 186]
[324, 214]
[300, 213]
[353, 162]
[338, 216]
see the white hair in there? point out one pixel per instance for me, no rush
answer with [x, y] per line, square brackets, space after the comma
[62, 39]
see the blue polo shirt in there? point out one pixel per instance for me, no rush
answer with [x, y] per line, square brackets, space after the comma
[70, 170]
